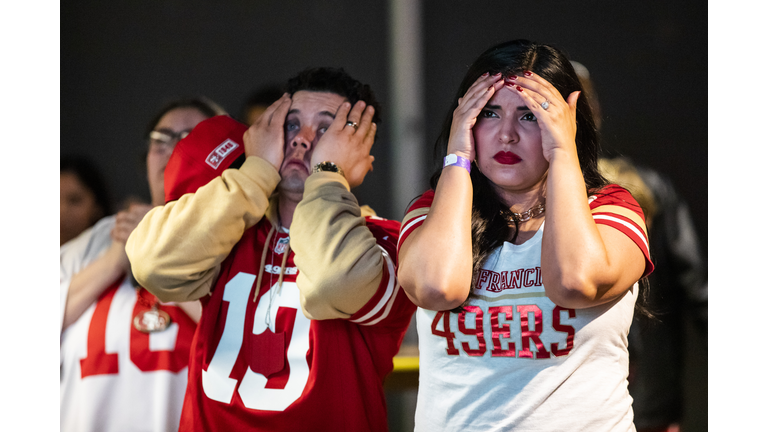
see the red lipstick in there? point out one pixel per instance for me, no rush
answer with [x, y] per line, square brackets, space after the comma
[506, 158]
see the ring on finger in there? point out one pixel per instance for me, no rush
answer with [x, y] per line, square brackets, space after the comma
[351, 123]
[545, 105]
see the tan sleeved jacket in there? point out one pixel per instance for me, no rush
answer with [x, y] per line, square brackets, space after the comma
[340, 264]
[177, 249]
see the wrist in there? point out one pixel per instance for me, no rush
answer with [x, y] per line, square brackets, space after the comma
[117, 257]
[327, 166]
[562, 156]
[457, 159]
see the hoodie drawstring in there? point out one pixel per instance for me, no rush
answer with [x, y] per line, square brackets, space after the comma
[263, 261]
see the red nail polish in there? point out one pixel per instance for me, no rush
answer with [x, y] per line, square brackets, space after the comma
[513, 77]
[519, 88]
[528, 73]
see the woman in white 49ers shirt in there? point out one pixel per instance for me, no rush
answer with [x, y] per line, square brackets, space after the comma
[522, 326]
[123, 355]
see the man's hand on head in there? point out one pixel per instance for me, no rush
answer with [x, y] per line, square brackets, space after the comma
[347, 145]
[265, 138]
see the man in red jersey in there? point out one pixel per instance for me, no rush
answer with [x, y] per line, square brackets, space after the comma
[302, 313]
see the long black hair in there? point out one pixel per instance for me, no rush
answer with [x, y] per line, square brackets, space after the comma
[490, 227]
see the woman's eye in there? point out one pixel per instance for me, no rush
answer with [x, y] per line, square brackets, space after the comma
[529, 117]
[487, 114]
[291, 126]
[322, 129]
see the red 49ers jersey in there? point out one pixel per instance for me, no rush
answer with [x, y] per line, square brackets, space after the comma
[262, 365]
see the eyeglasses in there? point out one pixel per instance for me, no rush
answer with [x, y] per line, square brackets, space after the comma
[165, 139]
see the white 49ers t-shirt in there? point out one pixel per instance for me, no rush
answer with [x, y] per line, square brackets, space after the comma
[513, 360]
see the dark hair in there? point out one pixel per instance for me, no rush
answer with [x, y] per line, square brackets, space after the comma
[90, 176]
[489, 225]
[206, 107]
[338, 81]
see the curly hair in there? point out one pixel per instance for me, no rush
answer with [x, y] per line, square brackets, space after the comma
[337, 81]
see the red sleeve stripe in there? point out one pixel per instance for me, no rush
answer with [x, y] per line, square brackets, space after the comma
[389, 293]
[408, 228]
[618, 223]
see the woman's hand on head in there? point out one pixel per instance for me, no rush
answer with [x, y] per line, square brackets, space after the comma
[558, 121]
[461, 140]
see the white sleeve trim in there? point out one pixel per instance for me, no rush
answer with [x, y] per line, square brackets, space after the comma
[408, 227]
[388, 297]
[626, 224]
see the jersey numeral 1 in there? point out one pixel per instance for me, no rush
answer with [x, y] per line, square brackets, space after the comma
[98, 362]
[253, 390]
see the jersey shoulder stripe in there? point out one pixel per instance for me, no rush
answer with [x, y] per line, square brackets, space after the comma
[614, 206]
[415, 216]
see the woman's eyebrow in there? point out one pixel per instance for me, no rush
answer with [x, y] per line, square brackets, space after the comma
[496, 107]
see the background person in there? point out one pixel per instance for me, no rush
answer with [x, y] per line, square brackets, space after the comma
[678, 288]
[84, 196]
[302, 311]
[523, 261]
[123, 354]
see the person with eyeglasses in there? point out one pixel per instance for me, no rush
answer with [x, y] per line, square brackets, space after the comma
[123, 354]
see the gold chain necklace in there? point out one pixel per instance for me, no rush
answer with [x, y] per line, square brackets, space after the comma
[525, 216]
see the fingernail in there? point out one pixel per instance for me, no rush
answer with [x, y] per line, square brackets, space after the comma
[528, 73]
[512, 77]
[519, 88]
[485, 74]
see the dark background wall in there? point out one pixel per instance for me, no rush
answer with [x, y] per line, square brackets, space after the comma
[120, 61]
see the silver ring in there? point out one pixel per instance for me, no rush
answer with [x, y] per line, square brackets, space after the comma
[545, 105]
[351, 123]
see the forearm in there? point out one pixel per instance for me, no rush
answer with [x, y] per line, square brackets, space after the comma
[340, 264]
[435, 261]
[177, 248]
[193, 309]
[577, 269]
[88, 284]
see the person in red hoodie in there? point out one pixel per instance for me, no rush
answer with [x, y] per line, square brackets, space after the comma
[302, 313]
